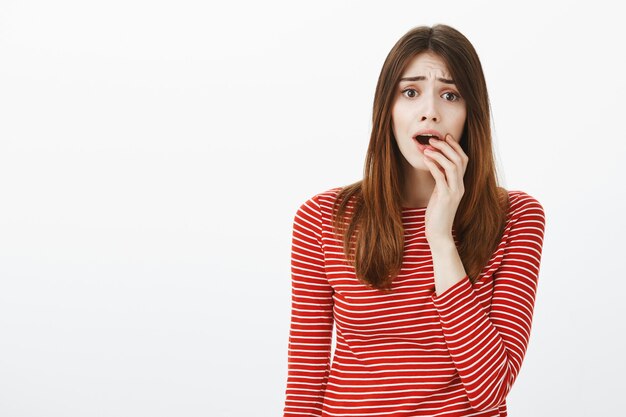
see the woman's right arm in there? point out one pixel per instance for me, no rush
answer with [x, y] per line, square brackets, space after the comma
[310, 334]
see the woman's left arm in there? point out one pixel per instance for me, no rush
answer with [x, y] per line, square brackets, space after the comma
[488, 347]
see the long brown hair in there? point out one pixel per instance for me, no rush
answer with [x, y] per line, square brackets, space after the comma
[373, 237]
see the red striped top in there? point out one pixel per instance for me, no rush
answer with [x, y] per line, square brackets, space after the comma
[409, 352]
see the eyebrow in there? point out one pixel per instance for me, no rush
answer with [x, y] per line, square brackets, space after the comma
[422, 78]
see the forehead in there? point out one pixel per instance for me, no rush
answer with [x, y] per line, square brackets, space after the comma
[428, 64]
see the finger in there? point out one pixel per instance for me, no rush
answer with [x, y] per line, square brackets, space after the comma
[436, 172]
[450, 169]
[440, 179]
[457, 146]
[439, 174]
[462, 160]
[447, 149]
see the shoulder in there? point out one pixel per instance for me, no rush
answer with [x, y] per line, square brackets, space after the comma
[312, 216]
[521, 202]
[322, 201]
[525, 211]
[319, 204]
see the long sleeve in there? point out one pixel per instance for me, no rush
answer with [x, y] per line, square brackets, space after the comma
[488, 348]
[310, 335]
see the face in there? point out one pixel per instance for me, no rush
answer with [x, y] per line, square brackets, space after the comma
[426, 99]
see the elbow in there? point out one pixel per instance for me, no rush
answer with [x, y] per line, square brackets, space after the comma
[482, 404]
[485, 400]
[492, 392]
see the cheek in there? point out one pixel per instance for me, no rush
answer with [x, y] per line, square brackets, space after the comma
[460, 120]
[394, 113]
[398, 117]
[396, 120]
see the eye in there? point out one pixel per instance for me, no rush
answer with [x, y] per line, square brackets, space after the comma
[450, 96]
[409, 92]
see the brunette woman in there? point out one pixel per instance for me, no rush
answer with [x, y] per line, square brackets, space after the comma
[426, 267]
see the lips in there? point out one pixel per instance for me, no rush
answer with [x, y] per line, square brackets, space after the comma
[423, 136]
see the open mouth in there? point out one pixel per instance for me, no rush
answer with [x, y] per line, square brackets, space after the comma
[423, 139]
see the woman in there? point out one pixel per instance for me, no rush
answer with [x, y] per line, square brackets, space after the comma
[427, 268]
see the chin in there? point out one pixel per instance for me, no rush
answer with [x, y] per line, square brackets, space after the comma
[419, 165]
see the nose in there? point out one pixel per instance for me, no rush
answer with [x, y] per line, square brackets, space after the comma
[429, 110]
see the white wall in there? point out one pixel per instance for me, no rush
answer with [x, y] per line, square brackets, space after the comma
[153, 155]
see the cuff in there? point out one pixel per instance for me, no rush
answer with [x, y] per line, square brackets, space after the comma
[459, 292]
